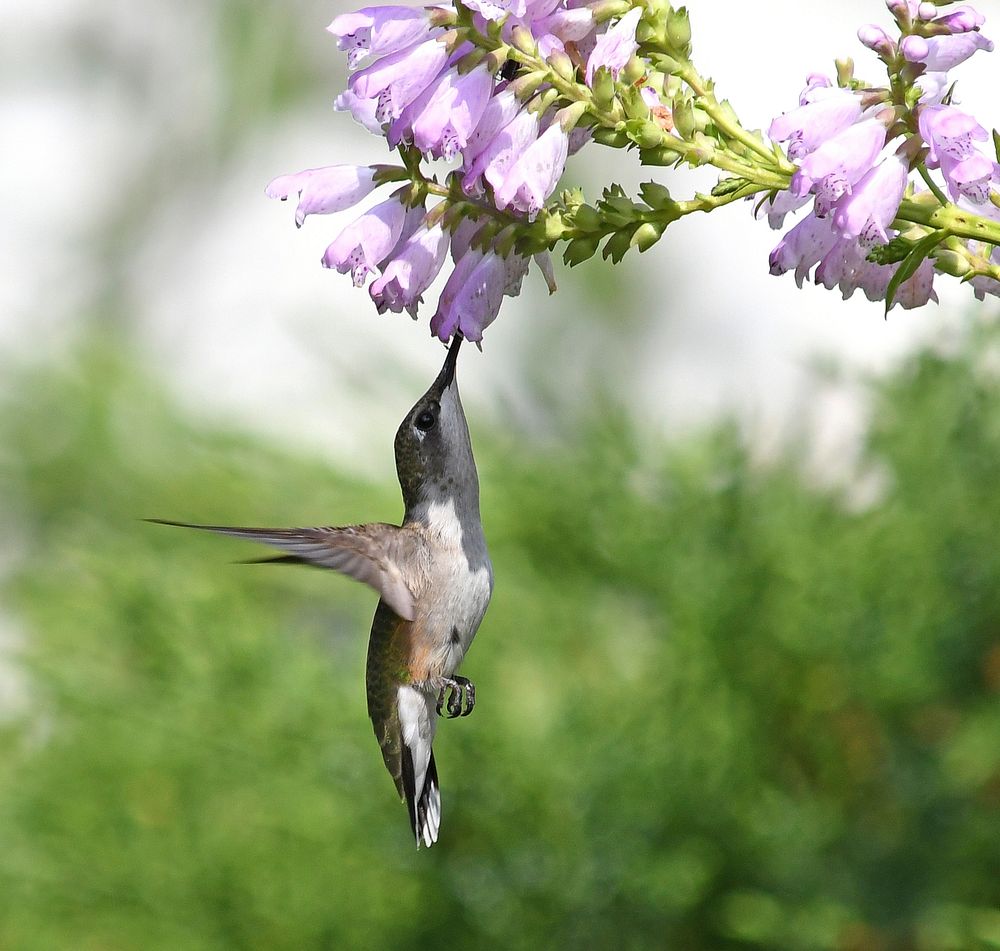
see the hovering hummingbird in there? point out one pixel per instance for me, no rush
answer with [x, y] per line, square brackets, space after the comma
[434, 578]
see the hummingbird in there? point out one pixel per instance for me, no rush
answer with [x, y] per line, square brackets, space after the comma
[434, 579]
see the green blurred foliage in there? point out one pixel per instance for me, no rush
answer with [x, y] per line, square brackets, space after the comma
[717, 708]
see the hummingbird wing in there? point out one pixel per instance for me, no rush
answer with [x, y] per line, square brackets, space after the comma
[367, 553]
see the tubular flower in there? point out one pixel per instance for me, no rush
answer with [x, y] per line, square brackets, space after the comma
[836, 165]
[411, 271]
[869, 209]
[808, 126]
[367, 240]
[323, 191]
[376, 31]
[397, 79]
[942, 53]
[534, 176]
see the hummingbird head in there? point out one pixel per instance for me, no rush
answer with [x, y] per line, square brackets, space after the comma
[433, 450]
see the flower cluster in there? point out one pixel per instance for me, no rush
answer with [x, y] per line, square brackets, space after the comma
[420, 81]
[894, 181]
[857, 147]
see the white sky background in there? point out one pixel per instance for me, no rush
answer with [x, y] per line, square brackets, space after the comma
[231, 303]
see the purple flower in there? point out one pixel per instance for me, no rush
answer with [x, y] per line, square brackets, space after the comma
[376, 31]
[445, 320]
[499, 112]
[877, 40]
[838, 163]
[941, 53]
[872, 204]
[561, 27]
[779, 206]
[323, 191]
[918, 289]
[397, 79]
[477, 294]
[802, 247]
[814, 83]
[969, 177]
[367, 240]
[846, 266]
[983, 285]
[616, 47]
[498, 9]
[949, 132]
[534, 176]
[963, 19]
[411, 271]
[503, 151]
[933, 86]
[452, 113]
[806, 127]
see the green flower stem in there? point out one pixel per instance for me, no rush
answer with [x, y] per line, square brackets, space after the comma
[950, 218]
[707, 100]
[931, 184]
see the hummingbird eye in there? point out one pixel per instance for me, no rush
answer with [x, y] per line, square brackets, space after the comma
[426, 419]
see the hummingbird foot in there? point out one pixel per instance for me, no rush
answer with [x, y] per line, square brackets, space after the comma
[463, 693]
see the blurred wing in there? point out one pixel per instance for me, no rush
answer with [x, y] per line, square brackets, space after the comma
[363, 552]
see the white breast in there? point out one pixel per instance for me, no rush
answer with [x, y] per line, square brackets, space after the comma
[461, 594]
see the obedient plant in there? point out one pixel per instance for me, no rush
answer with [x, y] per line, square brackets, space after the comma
[893, 182]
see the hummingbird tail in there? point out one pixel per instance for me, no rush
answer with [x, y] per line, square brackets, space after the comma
[424, 807]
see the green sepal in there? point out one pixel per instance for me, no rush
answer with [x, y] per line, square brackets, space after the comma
[655, 195]
[616, 138]
[617, 245]
[659, 157]
[679, 30]
[892, 253]
[587, 218]
[580, 250]
[726, 186]
[645, 134]
[684, 120]
[602, 87]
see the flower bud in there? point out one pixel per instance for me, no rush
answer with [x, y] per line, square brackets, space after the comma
[613, 137]
[603, 87]
[523, 39]
[562, 65]
[845, 71]
[684, 120]
[679, 30]
[470, 61]
[877, 40]
[634, 70]
[540, 104]
[659, 158]
[645, 134]
[646, 235]
[524, 87]
[951, 262]
[571, 115]
[441, 16]
[655, 195]
[607, 9]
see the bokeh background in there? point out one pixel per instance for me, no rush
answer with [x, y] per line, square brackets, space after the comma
[740, 682]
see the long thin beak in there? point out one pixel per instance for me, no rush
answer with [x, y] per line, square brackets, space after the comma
[447, 375]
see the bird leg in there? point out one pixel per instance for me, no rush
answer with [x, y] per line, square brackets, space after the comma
[461, 689]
